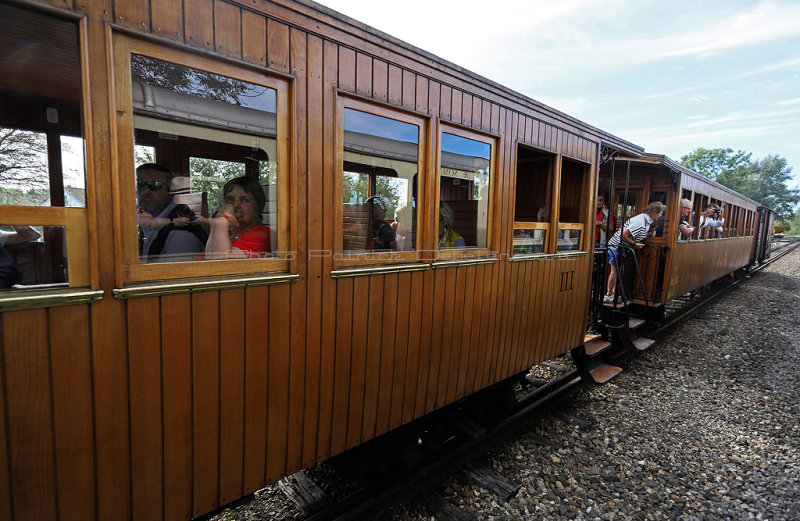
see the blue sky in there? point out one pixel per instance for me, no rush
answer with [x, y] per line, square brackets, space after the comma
[669, 76]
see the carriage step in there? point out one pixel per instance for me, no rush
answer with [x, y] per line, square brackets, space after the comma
[598, 345]
[635, 323]
[643, 344]
[604, 372]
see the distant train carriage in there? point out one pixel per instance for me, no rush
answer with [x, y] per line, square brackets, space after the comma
[416, 234]
[672, 263]
[765, 231]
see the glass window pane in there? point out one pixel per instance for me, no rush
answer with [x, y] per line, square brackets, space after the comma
[32, 255]
[529, 241]
[206, 170]
[571, 192]
[463, 192]
[569, 240]
[379, 183]
[41, 151]
[534, 175]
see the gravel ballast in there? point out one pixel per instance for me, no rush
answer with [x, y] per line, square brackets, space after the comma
[704, 426]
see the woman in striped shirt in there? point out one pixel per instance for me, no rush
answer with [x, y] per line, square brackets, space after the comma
[633, 234]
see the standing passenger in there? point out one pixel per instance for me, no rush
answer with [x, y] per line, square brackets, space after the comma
[633, 233]
[604, 221]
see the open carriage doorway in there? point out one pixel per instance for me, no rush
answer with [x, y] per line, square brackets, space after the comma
[626, 204]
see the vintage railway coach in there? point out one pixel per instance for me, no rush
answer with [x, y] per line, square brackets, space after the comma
[673, 264]
[150, 370]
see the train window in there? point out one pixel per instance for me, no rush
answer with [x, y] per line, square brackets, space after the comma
[44, 237]
[380, 165]
[572, 205]
[207, 179]
[700, 202]
[464, 181]
[532, 213]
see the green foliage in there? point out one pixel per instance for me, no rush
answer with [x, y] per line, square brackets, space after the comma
[764, 181]
[355, 189]
[716, 161]
[390, 190]
[210, 175]
[793, 225]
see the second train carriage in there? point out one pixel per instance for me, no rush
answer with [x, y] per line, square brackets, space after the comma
[148, 384]
[673, 264]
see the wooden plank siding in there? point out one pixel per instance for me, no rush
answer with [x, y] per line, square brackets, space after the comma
[169, 407]
[696, 263]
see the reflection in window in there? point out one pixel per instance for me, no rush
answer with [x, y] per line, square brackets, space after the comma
[31, 255]
[41, 149]
[463, 192]
[569, 239]
[205, 154]
[379, 183]
[529, 240]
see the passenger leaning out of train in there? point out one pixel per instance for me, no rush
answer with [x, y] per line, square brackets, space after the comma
[236, 229]
[168, 232]
[448, 237]
[632, 234]
[711, 220]
[604, 221]
[382, 235]
[684, 227]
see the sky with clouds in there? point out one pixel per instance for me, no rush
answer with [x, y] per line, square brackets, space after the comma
[668, 76]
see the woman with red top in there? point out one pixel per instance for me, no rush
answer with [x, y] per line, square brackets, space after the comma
[236, 229]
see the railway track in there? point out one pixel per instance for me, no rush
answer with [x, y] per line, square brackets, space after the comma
[533, 397]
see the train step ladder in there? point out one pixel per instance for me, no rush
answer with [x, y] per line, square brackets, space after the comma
[639, 343]
[589, 360]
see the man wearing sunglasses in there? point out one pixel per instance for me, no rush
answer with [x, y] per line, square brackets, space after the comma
[167, 232]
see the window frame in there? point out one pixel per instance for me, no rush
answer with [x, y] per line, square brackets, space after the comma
[131, 270]
[82, 269]
[554, 168]
[467, 251]
[342, 258]
[582, 224]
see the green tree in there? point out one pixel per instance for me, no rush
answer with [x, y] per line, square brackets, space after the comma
[716, 161]
[769, 186]
[764, 181]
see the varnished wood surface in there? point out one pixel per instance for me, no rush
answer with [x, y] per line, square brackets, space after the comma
[695, 263]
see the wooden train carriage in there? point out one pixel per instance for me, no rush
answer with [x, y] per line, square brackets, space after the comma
[765, 231]
[143, 382]
[672, 264]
